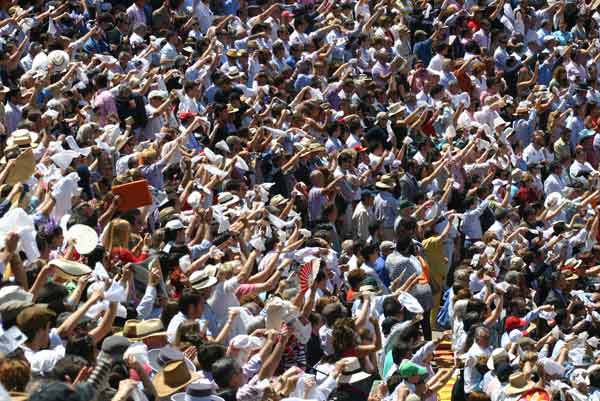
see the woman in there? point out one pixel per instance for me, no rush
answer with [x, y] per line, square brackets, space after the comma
[347, 342]
[559, 79]
[117, 242]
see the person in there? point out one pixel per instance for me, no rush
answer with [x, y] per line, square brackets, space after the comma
[246, 201]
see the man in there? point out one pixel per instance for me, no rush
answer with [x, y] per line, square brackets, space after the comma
[554, 182]
[191, 307]
[534, 152]
[386, 205]
[138, 13]
[476, 359]
[363, 216]
[319, 196]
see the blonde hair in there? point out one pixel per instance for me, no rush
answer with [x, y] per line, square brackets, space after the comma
[148, 156]
[118, 235]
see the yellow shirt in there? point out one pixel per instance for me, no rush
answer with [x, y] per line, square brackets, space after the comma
[434, 255]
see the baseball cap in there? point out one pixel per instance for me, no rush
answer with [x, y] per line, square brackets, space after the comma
[409, 369]
[514, 322]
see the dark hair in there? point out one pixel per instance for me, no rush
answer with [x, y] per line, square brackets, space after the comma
[399, 352]
[368, 250]
[209, 353]
[69, 365]
[189, 297]
[82, 346]
[223, 370]
[391, 306]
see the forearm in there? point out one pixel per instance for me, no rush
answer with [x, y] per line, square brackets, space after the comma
[106, 324]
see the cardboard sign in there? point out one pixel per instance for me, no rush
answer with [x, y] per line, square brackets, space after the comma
[23, 169]
[133, 195]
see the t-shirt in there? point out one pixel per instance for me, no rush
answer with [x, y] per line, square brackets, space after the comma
[316, 202]
[434, 254]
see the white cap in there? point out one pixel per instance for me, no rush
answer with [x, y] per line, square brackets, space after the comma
[174, 225]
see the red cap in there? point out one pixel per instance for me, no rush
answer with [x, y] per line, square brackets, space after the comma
[359, 148]
[186, 114]
[514, 322]
[287, 13]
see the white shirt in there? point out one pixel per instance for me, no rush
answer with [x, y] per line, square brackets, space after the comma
[531, 155]
[176, 322]
[222, 298]
[553, 184]
[298, 38]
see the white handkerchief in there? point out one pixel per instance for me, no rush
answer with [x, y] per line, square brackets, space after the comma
[258, 243]
[116, 293]
[18, 221]
[64, 159]
[215, 170]
[210, 155]
[410, 303]
[99, 273]
[75, 147]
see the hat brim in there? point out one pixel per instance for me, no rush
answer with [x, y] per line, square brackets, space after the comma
[70, 267]
[164, 390]
[354, 378]
[153, 361]
[211, 281]
[382, 185]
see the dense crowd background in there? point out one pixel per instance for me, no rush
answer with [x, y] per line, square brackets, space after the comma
[244, 200]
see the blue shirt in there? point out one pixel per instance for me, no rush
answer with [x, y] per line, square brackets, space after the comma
[423, 51]
[545, 73]
[94, 46]
[231, 7]
[381, 271]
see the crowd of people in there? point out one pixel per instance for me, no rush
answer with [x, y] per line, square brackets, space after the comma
[246, 200]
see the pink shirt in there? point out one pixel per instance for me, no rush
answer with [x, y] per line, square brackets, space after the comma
[104, 105]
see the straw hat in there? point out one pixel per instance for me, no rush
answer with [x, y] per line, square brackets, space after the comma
[23, 138]
[70, 267]
[386, 182]
[278, 200]
[173, 378]
[59, 60]
[136, 330]
[518, 384]
[352, 372]
[201, 279]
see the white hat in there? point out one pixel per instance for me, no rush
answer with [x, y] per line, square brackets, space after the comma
[201, 279]
[174, 225]
[14, 293]
[59, 60]
[352, 372]
[85, 238]
[158, 93]
[71, 267]
[227, 199]
[497, 354]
